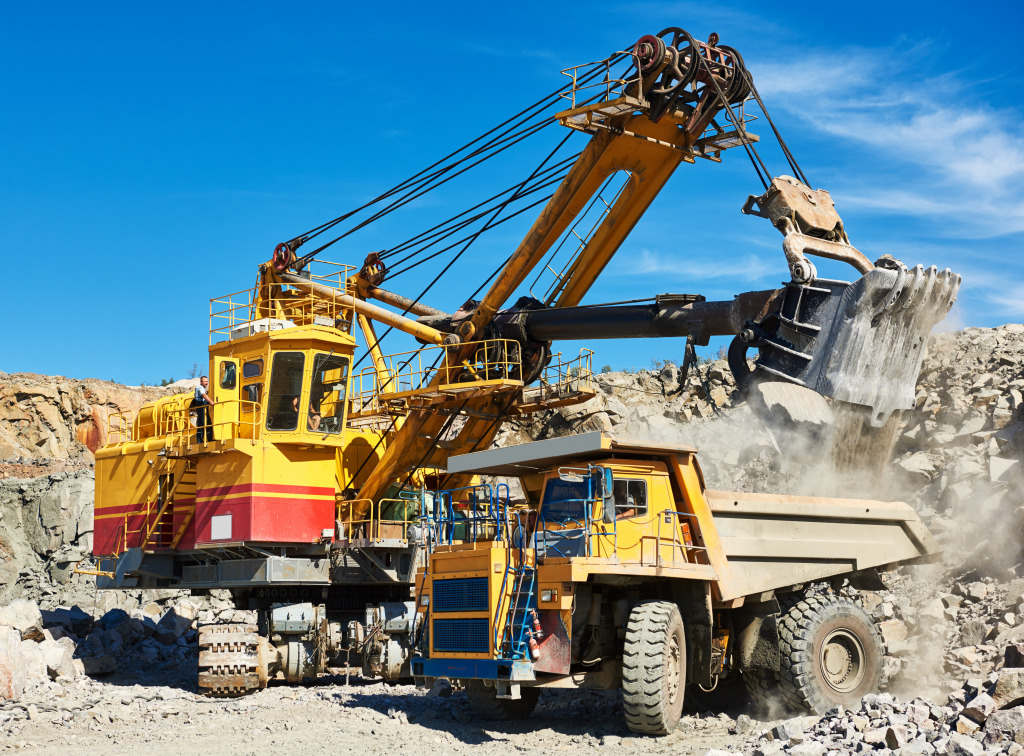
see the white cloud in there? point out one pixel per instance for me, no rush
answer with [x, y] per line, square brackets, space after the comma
[956, 157]
[747, 269]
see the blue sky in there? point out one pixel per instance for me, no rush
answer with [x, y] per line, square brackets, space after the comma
[154, 154]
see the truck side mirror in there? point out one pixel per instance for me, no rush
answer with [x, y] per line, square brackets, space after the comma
[607, 497]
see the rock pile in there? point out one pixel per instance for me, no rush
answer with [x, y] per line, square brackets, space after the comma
[984, 715]
[64, 643]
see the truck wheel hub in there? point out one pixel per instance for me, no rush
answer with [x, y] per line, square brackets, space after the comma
[842, 661]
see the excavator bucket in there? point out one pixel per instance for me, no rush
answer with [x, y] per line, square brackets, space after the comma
[862, 342]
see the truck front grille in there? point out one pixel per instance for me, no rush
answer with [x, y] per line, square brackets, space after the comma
[467, 636]
[460, 595]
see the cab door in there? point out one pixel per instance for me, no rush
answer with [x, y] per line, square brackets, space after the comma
[227, 393]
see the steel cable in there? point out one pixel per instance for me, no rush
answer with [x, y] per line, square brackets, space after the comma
[419, 180]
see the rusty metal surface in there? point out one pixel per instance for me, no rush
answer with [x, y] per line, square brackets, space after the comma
[809, 221]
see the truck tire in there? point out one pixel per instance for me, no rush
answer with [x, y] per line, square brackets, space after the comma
[654, 668]
[485, 702]
[831, 654]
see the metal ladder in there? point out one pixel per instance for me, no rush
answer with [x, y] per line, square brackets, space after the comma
[515, 640]
[161, 532]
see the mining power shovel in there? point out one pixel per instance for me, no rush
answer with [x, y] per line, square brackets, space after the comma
[307, 489]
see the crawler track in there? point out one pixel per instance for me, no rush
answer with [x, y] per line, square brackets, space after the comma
[230, 661]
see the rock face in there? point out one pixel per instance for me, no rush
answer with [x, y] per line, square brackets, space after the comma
[45, 528]
[55, 420]
[49, 429]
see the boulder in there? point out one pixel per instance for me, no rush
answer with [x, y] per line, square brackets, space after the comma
[98, 666]
[979, 708]
[964, 745]
[13, 674]
[72, 619]
[35, 663]
[893, 630]
[25, 617]
[114, 618]
[1009, 688]
[58, 659]
[175, 623]
[973, 632]
[1007, 724]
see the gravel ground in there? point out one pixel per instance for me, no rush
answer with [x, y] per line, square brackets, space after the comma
[122, 715]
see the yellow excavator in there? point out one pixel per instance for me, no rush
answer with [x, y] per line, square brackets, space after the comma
[304, 484]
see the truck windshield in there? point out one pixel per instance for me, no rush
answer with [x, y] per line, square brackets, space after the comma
[564, 500]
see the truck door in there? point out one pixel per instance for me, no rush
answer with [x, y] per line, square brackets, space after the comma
[226, 398]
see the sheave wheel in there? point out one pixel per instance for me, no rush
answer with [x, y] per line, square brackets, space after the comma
[831, 654]
[485, 702]
[654, 668]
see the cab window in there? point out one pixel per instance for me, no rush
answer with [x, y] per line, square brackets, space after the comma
[253, 392]
[327, 391]
[228, 375]
[283, 393]
[630, 497]
[252, 369]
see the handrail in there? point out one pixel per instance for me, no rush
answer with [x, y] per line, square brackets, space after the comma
[488, 508]
[588, 530]
[373, 525]
[613, 87]
[563, 377]
[124, 429]
[436, 368]
[676, 541]
[96, 566]
[177, 427]
[282, 305]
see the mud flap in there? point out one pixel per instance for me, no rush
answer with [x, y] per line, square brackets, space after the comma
[555, 648]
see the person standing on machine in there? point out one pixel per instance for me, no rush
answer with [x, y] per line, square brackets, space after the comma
[202, 406]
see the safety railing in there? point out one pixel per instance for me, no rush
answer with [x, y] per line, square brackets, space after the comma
[583, 89]
[437, 369]
[227, 419]
[161, 519]
[99, 566]
[680, 543]
[386, 519]
[121, 427]
[470, 514]
[272, 307]
[563, 378]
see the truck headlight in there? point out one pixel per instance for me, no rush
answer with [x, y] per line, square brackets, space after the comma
[424, 600]
[547, 595]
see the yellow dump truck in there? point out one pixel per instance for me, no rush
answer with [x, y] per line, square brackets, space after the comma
[623, 569]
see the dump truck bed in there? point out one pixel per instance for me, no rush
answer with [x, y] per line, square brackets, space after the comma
[773, 540]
